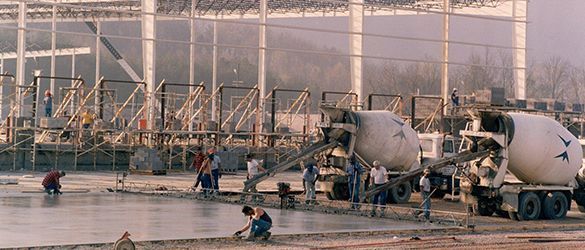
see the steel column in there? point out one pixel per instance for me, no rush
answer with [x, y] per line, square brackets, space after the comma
[192, 48]
[149, 57]
[262, 61]
[445, 65]
[214, 74]
[98, 25]
[356, 26]
[520, 14]
[53, 46]
[20, 50]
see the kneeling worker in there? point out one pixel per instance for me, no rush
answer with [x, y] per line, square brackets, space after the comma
[51, 182]
[259, 223]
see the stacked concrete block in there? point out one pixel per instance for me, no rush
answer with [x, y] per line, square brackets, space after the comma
[146, 159]
[53, 122]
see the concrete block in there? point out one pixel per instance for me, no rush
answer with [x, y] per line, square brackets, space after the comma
[53, 122]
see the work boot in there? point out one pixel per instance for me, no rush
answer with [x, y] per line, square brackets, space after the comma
[266, 235]
[251, 236]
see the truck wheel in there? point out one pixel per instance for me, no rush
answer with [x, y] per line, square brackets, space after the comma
[484, 208]
[340, 192]
[528, 206]
[555, 206]
[400, 194]
[438, 194]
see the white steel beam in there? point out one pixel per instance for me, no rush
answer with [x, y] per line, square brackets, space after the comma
[356, 26]
[214, 74]
[20, 51]
[149, 57]
[445, 65]
[519, 13]
[98, 56]
[193, 39]
[53, 46]
[47, 53]
[262, 60]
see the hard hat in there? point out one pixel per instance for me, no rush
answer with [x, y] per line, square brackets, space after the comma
[376, 163]
[427, 171]
[454, 89]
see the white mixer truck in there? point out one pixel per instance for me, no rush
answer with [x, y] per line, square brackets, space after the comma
[385, 137]
[545, 158]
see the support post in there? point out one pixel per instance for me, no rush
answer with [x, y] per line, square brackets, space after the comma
[214, 74]
[445, 65]
[192, 48]
[261, 63]
[53, 47]
[20, 50]
[520, 13]
[98, 26]
[356, 26]
[149, 58]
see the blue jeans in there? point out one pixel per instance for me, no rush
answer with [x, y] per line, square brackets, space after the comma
[426, 204]
[354, 186]
[86, 125]
[206, 183]
[260, 226]
[215, 174]
[48, 112]
[379, 198]
[52, 189]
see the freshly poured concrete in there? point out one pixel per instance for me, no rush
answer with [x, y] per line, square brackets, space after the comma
[41, 220]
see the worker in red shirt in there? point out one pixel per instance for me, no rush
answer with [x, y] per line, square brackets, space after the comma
[51, 182]
[198, 159]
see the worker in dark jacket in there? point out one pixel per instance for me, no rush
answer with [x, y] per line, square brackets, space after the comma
[354, 171]
[51, 182]
[259, 222]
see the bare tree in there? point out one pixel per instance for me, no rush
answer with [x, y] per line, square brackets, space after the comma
[554, 75]
[576, 83]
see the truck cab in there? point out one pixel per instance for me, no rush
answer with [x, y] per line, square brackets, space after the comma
[434, 147]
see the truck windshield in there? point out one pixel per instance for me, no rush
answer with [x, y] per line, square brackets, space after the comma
[427, 145]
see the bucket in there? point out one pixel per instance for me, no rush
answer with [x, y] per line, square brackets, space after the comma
[142, 124]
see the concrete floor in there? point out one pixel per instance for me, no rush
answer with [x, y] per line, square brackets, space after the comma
[41, 220]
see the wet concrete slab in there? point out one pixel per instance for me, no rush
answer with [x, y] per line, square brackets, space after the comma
[42, 220]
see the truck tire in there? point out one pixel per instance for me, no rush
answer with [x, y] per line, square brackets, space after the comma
[438, 194]
[555, 206]
[340, 192]
[485, 208]
[400, 194]
[529, 206]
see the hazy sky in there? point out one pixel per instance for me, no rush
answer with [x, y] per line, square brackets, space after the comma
[555, 28]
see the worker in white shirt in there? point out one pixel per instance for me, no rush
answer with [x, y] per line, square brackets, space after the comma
[425, 190]
[254, 169]
[378, 177]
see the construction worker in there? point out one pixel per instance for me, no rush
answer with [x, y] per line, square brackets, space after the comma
[259, 222]
[354, 171]
[51, 182]
[254, 168]
[378, 177]
[425, 191]
[309, 179]
[198, 159]
[215, 168]
[48, 101]
[455, 97]
[205, 171]
[87, 119]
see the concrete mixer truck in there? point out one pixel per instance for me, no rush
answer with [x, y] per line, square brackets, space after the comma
[545, 158]
[370, 136]
[385, 137]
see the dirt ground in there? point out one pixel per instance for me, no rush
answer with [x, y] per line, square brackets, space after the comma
[488, 232]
